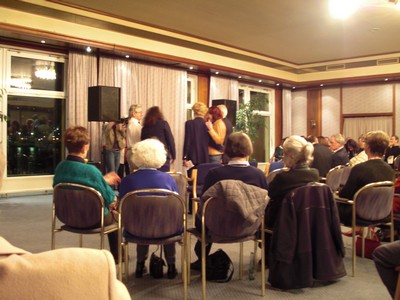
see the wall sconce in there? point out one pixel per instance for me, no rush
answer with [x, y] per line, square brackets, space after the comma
[313, 123]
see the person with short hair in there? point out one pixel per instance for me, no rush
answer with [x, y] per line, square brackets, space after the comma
[322, 157]
[133, 131]
[373, 170]
[74, 169]
[217, 130]
[393, 150]
[238, 149]
[149, 155]
[336, 144]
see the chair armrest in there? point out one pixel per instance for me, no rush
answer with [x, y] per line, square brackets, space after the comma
[343, 200]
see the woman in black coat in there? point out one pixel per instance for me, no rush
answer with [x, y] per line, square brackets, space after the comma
[154, 126]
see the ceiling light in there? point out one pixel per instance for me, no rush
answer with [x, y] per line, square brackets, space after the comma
[45, 70]
[127, 56]
[386, 79]
[88, 49]
[216, 73]
[43, 41]
[321, 84]
[342, 9]
[260, 80]
[239, 76]
[190, 68]
[277, 84]
[293, 88]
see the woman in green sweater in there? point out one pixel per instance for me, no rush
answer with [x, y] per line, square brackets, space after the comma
[75, 170]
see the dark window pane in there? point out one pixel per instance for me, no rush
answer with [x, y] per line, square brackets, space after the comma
[29, 73]
[34, 135]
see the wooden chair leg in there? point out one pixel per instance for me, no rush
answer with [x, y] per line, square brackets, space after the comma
[397, 293]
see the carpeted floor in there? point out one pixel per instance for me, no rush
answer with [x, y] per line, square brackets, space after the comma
[25, 221]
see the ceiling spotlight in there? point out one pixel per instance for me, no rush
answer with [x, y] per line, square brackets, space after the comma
[342, 9]
[191, 68]
[127, 56]
[278, 84]
[260, 80]
[321, 84]
[239, 76]
[43, 41]
[88, 49]
[386, 79]
[216, 73]
[293, 88]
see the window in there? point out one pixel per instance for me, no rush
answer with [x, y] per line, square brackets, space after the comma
[35, 106]
[191, 95]
[257, 103]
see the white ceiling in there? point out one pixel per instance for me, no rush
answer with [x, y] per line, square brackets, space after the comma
[299, 32]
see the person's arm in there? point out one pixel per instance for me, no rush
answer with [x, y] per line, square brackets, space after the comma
[218, 132]
[169, 138]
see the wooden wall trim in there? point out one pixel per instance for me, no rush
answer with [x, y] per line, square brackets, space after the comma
[314, 112]
[367, 115]
[278, 116]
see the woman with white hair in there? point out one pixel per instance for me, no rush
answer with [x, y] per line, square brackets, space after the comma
[149, 155]
[297, 156]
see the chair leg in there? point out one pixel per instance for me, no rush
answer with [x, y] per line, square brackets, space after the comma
[126, 249]
[188, 254]
[354, 250]
[203, 267]
[241, 261]
[81, 240]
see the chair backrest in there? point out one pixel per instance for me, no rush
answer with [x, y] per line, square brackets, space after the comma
[374, 201]
[182, 183]
[253, 163]
[271, 175]
[152, 213]
[337, 177]
[396, 163]
[77, 205]
[202, 171]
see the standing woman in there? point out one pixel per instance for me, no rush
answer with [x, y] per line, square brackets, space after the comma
[154, 126]
[217, 130]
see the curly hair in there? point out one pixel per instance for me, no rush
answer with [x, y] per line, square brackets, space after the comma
[149, 153]
[75, 138]
[153, 114]
[297, 151]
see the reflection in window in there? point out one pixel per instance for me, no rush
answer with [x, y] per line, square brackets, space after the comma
[29, 73]
[33, 135]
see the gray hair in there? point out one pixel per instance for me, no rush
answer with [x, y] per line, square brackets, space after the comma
[297, 151]
[338, 138]
[223, 109]
[134, 108]
[149, 153]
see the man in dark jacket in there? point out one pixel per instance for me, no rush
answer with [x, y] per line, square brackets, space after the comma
[322, 157]
[340, 156]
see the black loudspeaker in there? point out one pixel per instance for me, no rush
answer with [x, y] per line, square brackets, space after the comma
[231, 105]
[104, 103]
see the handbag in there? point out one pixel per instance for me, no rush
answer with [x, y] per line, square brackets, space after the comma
[157, 265]
[219, 267]
[370, 245]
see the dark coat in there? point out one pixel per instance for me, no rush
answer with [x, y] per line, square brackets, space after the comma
[322, 159]
[195, 147]
[340, 157]
[307, 243]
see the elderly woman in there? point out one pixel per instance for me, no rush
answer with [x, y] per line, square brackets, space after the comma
[75, 170]
[297, 155]
[217, 130]
[149, 155]
[154, 125]
[238, 149]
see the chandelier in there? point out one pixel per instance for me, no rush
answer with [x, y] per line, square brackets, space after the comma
[45, 70]
[344, 8]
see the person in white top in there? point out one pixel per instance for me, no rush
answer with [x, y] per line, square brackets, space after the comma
[133, 132]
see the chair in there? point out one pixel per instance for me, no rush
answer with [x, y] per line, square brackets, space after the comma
[337, 177]
[198, 177]
[397, 293]
[219, 225]
[182, 183]
[152, 217]
[372, 205]
[272, 174]
[81, 209]
[307, 244]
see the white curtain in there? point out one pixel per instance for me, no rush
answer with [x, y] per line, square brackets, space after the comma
[223, 88]
[286, 113]
[150, 86]
[354, 127]
[82, 73]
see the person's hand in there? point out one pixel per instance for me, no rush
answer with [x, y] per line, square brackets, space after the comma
[112, 178]
[209, 125]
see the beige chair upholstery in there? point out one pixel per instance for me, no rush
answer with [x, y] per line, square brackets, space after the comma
[372, 205]
[81, 210]
[152, 217]
[234, 214]
[337, 177]
[182, 183]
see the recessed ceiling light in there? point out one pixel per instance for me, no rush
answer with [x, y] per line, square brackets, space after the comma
[293, 88]
[216, 73]
[191, 68]
[43, 41]
[88, 49]
[278, 84]
[239, 76]
[321, 84]
[386, 79]
[260, 80]
[127, 56]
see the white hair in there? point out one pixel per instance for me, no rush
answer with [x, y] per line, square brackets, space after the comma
[297, 151]
[223, 109]
[149, 153]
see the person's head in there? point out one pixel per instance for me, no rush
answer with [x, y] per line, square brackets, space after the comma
[323, 140]
[149, 153]
[361, 141]
[312, 139]
[336, 141]
[135, 111]
[394, 140]
[199, 109]
[224, 110]
[238, 145]
[352, 146]
[77, 140]
[376, 143]
[153, 114]
[215, 113]
[297, 151]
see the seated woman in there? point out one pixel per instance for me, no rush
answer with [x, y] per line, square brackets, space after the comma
[75, 170]
[149, 155]
[238, 149]
[373, 170]
[297, 157]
